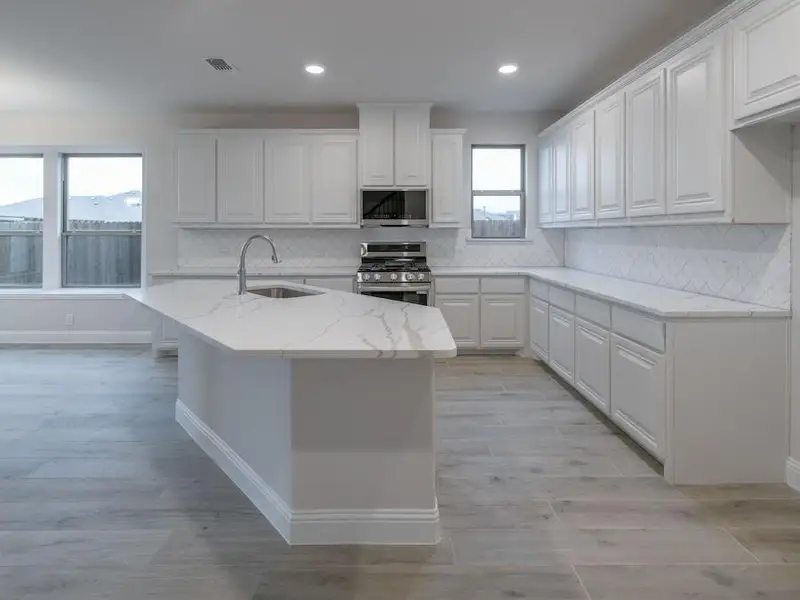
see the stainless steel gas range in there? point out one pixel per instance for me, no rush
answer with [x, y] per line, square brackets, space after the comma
[395, 271]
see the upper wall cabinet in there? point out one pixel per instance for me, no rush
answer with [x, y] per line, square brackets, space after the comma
[395, 145]
[646, 113]
[766, 57]
[695, 129]
[562, 141]
[582, 167]
[195, 178]
[288, 168]
[610, 157]
[240, 179]
[334, 179]
[448, 203]
[545, 181]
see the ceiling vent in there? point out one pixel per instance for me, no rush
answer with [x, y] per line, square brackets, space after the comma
[220, 64]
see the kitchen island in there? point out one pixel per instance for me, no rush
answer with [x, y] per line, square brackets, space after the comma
[317, 404]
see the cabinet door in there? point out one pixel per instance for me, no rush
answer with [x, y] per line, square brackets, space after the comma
[240, 179]
[461, 312]
[645, 193]
[638, 393]
[334, 179]
[412, 146]
[766, 57]
[376, 130]
[502, 321]
[610, 157]
[695, 121]
[593, 364]
[561, 179]
[562, 343]
[582, 167]
[539, 327]
[545, 182]
[288, 180]
[195, 178]
[447, 190]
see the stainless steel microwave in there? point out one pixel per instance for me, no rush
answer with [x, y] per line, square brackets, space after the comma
[394, 208]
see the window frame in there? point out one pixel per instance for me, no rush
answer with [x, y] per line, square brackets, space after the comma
[64, 221]
[23, 232]
[521, 192]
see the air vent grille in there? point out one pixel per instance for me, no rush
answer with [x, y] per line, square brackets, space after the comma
[220, 64]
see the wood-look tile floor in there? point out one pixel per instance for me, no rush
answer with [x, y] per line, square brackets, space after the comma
[102, 495]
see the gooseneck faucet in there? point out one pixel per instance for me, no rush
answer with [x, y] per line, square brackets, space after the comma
[242, 272]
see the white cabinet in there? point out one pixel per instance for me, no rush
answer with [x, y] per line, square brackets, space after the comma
[195, 178]
[593, 364]
[582, 167]
[376, 126]
[562, 343]
[539, 327]
[561, 178]
[395, 145]
[448, 203]
[638, 391]
[334, 179]
[695, 121]
[462, 314]
[339, 284]
[240, 179]
[412, 146]
[545, 181]
[766, 57]
[502, 320]
[288, 181]
[610, 157]
[646, 113]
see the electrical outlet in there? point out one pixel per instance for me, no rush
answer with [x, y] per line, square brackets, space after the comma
[70, 320]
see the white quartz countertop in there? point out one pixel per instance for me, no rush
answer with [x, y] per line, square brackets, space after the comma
[329, 325]
[653, 299]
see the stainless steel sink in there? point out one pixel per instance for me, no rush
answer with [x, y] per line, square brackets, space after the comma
[281, 292]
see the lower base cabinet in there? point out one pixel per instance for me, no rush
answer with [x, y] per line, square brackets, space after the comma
[539, 327]
[562, 343]
[638, 387]
[462, 314]
[502, 321]
[593, 364]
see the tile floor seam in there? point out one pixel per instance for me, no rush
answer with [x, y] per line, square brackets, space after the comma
[745, 548]
[580, 581]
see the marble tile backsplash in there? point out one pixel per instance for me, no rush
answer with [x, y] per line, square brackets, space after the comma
[340, 248]
[750, 263]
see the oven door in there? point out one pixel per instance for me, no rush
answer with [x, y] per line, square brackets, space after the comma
[413, 294]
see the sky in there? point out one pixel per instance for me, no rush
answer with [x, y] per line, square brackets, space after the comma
[22, 178]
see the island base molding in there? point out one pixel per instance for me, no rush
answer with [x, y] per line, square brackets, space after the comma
[793, 473]
[330, 451]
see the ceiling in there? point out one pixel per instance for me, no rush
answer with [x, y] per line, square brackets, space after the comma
[148, 54]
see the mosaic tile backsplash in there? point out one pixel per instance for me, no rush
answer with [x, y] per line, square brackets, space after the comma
[750, 263]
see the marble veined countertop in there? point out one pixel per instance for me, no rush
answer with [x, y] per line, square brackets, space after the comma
[328, 325]
[653, 299]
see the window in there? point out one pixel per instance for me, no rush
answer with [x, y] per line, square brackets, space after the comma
[21, 206]
[498, 192]
[102, 227]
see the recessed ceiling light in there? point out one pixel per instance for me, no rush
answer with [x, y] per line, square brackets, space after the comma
[508, 69]
[315, 69]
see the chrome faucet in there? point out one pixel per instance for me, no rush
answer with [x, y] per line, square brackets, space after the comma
[242, 272]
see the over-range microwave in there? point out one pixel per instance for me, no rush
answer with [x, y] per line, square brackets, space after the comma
[394, 208]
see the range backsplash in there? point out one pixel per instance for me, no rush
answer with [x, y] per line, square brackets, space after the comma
[212, 249]
[750, 263]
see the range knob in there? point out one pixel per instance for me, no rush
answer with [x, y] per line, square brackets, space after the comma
[393, 276]
[409, 276]
[421, 276]
[377, 276]
[366, 276]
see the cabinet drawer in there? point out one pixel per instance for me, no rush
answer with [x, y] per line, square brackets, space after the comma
[593, 310]
[562, 298]
[638, 328]
[502, 285]
[457, 285]
[540, 289]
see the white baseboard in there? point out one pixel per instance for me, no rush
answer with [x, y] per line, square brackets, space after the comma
[75, 337]
[312, 527]
[793, 473]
